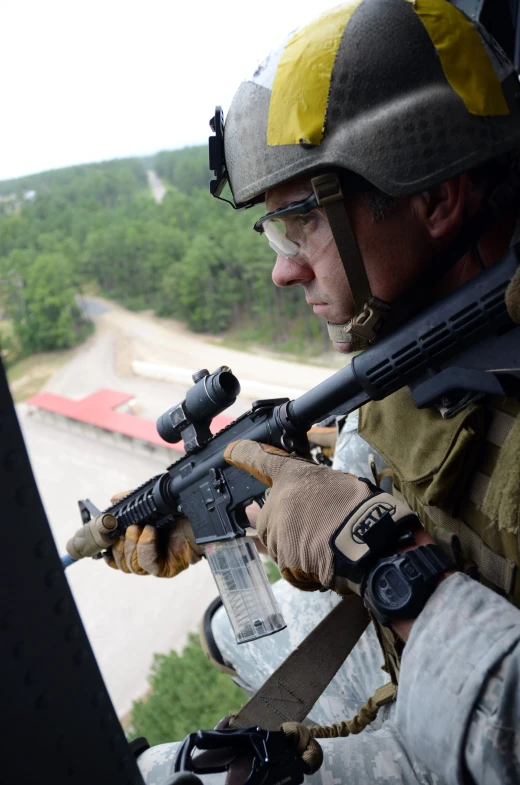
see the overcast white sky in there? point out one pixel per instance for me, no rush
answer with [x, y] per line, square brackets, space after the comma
[85, 80]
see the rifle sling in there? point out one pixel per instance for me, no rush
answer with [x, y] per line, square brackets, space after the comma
[293, 689]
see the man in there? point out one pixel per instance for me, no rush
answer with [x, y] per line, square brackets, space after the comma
[377, 137]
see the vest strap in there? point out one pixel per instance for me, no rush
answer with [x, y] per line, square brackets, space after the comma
[491, 566]
[499, 427]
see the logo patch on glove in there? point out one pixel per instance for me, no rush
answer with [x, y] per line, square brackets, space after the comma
[369, 528]
[360, 528]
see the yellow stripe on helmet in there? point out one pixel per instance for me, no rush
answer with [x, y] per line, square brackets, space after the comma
[301, 84]
[463, 57]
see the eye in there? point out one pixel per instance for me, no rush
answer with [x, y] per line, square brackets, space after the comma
[309, 219]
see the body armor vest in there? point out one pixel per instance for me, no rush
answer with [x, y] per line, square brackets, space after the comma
[462, 478]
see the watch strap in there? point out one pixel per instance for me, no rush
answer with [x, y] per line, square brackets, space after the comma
[398, 587]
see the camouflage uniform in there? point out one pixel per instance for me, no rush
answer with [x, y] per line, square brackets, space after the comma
[458, 706]
[357, 761]
[357, 679]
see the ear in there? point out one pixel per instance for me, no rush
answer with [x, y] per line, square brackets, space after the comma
[441, 210]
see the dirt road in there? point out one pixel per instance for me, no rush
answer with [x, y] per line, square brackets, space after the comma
[158, 189]
[122, 336]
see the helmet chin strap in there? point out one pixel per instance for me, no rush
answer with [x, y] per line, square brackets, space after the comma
[372, 315]
[360, 331]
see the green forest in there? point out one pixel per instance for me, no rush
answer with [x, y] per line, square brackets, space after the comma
[96, 228]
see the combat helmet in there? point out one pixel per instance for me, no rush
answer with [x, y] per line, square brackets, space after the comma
[399, 95]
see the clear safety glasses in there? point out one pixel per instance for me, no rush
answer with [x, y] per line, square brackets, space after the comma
[296, 231]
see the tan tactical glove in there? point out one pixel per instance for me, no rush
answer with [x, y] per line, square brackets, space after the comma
[144, 550]
[307, 506]
[324, 437]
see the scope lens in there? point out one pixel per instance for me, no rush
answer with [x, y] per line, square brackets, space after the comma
[211, 395]
[229, 384]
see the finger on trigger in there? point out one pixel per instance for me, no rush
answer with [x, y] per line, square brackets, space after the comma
[262, 522]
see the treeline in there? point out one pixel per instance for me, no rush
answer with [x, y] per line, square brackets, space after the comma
[45, 220]
[91, 179]
[185, 169]
[191, 257]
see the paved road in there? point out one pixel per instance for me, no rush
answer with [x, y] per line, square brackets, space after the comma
[127, 617]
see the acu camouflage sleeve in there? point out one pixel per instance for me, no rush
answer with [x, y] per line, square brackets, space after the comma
[458, 707]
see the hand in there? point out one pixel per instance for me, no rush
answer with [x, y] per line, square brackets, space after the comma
[305, 506]
[146, 550]
[309, 504]
[252, 512]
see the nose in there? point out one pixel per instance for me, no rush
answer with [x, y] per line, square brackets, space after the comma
[288, 272]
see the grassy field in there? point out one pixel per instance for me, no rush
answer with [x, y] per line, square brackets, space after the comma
[27, 377]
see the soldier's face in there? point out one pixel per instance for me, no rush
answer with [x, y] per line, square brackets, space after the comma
[395, 251]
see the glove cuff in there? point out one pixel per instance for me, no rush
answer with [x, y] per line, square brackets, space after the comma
[369, 532]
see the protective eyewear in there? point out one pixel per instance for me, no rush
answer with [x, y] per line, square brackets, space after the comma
[298, 230]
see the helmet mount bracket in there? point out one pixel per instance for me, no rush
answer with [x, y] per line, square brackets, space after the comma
[216, 153]
[217, 159]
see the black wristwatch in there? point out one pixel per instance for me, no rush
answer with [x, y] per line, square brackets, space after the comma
[398, 587]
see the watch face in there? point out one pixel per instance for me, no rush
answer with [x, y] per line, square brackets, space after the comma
[399, 586]
[389, 588]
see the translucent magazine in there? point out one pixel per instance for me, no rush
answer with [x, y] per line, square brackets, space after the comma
[245, 589]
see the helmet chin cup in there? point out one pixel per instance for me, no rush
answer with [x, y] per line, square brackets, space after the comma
[360, 331]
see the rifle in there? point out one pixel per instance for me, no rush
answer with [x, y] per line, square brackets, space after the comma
[454, 353]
